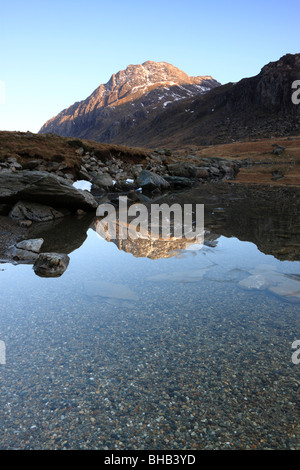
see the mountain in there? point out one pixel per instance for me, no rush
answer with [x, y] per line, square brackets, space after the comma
[131, 97]
[157, 105]
[253, 108]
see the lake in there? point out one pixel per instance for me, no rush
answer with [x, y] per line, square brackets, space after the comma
[159, 344]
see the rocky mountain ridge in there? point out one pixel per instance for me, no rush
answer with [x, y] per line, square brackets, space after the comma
[131, 96]
[175, 116]
[253, 108]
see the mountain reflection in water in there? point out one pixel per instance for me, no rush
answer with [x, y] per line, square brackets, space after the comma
[268, 218]
[178, 345]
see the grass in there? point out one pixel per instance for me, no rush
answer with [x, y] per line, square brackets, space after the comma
[50, 147]
[262, 162]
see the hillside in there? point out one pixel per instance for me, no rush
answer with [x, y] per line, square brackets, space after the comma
[254, 108]
[51, 151]
[156, 104]
[130, 98]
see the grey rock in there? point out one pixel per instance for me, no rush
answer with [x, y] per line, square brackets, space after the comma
[12, 160]
[21, 256]
[69, 176]
[136, 169]
[103, 181]
[34, 211]
[228, 169]
[17, 166]
[155, 158]
[178, 181]
[184, 169]
[51, 264]
[44, 188]
[148, 180]
[124, 186]
[25, 251]
[80, 151]
[34, 245]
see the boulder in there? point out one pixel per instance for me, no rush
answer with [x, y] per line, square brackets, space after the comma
[228, 167]
[178, 181]
[149, 181]
[83, 174]
[103, 181]
[51, 264]
[34, 211]
[44, 188]
[31, 245]
[184, 169]
[124, 185]
[26, 250]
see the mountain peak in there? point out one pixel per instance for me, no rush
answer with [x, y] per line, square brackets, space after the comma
[129, 96]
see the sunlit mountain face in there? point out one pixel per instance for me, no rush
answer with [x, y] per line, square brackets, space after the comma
[131, 96]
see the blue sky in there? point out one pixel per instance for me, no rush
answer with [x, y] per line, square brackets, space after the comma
[54, 53]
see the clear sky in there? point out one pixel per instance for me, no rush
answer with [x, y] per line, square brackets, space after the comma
[54, 53]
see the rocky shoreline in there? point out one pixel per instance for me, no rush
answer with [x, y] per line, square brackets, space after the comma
[36, 191]
[30, 194]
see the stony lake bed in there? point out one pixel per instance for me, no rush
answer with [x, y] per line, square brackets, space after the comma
[157, 344]
[160, 349]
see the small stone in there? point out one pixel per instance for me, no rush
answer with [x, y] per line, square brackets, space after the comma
[51, 264]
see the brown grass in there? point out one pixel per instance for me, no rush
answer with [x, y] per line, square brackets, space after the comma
[260, 157]
[49, 147]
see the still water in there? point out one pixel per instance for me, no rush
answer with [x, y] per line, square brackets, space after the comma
[149, 346]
